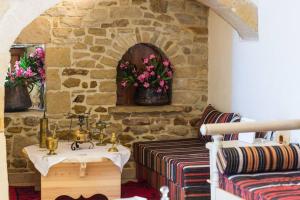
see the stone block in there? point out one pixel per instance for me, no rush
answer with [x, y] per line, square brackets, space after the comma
[103, 74]
[101, 109]
[108, 86]
[136, 121]
[62, 32]
[71, 72]
[37, 32]
[97, 49]
[185, 98]
[58, 57]
[20, 142]
[53, 79]
[97, 31]
[79, 32]
[138, 130]
[78, 55]
[86, 64]
[126, 12]
[178, 130]
[7, 121]
[109, 61]
[79, 99]
[89, 40]
[80, 46]
[71, 82]
[31, 121]
[93, 84]
[74, 22]
[101, 99]
[14, 129]
[79, 109]
[159, 6]
[99, 14]
[186, 19]
[58, 102]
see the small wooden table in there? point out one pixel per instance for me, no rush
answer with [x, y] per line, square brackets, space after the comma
[75, 180]
[86, 178]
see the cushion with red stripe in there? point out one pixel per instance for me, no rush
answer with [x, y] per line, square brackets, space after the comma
[213, 116]
[257, 159]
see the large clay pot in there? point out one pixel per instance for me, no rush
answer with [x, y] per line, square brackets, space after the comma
[149, 97]
[17, 99]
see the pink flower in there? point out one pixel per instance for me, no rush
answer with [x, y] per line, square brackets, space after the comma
[19, 71]
[141, 78]
[158, 76]
[170, 74]
[40, 52]
[152, 73]
[146, 60]
[28, 73]
[135, 84]
[42, 74]
[162, 83]
[146, 85]
[159, 90]
[146, 74]
[152, 56]
[17, 64]
[150, 68]
[123, 66]
[124, 84]
[166, 63]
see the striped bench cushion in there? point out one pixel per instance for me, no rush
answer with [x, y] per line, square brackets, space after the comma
[237, 160]
[185, 162]
[263, 186]
[213, 116]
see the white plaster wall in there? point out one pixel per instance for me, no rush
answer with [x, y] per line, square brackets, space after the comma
[266, 74]
[219, 62]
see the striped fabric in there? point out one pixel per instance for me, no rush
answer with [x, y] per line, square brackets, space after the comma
[237, 160]
[176, 192]
[263, 186]
[212, 116]
[184, 163]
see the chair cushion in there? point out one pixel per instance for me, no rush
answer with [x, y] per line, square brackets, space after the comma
[241, 160]
[212, 116]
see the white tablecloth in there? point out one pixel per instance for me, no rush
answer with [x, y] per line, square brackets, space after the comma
[44, 162]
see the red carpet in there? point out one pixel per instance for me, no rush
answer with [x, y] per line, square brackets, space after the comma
[129, 189]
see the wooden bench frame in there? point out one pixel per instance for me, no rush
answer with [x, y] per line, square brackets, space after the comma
[217, 131]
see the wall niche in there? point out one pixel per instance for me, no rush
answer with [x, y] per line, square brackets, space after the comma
[139, 95]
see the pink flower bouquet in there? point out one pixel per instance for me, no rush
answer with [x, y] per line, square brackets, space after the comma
[29, 71]
[157, 74]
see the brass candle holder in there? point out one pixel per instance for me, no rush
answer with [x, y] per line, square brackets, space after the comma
[52, 145]
[52, 142]
[113, 141]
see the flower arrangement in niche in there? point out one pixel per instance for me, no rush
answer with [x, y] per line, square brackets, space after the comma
[153, 82]
[21, 80]
[29, 71]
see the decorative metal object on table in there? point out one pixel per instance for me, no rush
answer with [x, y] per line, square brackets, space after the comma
[81, 135]
[52, 143]
[101, 126]
[113, 141]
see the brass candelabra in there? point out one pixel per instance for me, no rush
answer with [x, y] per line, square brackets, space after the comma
[101, 126]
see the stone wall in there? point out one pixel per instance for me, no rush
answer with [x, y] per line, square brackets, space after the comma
[84, 42]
